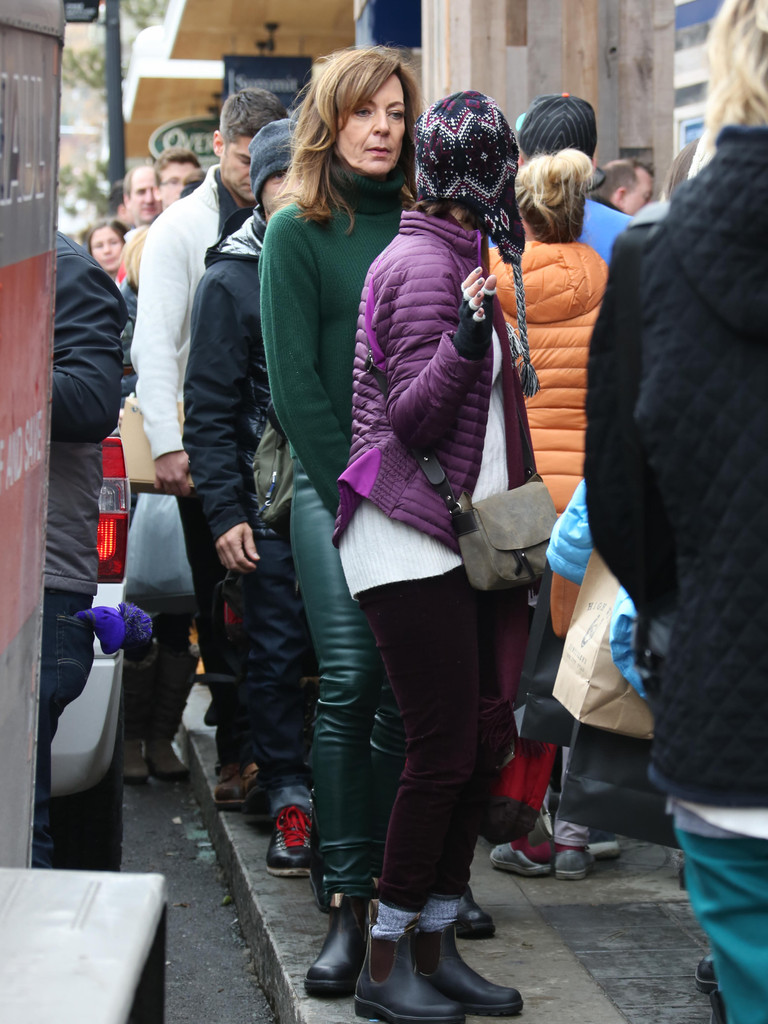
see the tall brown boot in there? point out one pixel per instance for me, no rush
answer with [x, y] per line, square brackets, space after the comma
[138, 696]
[175, 676]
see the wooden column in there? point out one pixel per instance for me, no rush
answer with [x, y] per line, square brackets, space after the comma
[618, 54]
[464, 47]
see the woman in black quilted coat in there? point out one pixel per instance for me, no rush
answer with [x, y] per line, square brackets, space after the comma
[702, 419]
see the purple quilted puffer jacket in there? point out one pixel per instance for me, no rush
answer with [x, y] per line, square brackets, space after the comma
[436, 398]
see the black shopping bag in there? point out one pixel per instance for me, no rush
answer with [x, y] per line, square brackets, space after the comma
[607, 787]
[540, 716]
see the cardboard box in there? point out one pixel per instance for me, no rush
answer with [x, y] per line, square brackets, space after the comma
[139, 463]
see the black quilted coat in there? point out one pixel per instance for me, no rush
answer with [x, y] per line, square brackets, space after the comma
[702, 415]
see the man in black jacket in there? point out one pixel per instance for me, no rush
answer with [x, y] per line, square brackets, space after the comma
[226, 397]
[89, 317]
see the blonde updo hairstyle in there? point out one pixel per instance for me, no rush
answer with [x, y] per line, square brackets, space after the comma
[340, 83]
[551, 190]
[738, 66]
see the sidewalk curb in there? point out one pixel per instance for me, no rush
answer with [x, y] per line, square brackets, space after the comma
[223, 828]
[278, 917]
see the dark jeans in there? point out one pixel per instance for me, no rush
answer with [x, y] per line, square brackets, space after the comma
[357, 752]
[66, 660]
[207, 571]
[436, 638]
[273, 616]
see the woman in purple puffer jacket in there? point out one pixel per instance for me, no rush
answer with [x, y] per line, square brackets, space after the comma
[453, 654]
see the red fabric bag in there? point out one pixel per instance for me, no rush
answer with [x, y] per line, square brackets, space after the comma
[518, 793]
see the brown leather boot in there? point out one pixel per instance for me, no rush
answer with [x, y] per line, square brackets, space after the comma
[135, 770]
[138, 696]
[175, 676]
[228, 794]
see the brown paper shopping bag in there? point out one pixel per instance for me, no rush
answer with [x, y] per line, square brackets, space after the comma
[139, 463]
[588, 683]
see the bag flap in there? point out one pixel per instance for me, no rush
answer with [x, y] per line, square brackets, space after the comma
[520, 518]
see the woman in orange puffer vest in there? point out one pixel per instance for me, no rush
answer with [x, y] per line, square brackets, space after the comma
[564, 284]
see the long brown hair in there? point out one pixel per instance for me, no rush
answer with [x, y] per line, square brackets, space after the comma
[340, 83]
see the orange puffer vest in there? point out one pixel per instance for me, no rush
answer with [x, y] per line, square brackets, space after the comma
[564, 286]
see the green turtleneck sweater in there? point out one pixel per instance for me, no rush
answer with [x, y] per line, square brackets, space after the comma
[312, 278]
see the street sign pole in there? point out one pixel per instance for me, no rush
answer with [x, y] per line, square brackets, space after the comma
[115, 129]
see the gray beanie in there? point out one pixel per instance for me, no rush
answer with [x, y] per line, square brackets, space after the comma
[270, 150]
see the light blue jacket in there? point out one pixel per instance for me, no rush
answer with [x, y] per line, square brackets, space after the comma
[601, 226]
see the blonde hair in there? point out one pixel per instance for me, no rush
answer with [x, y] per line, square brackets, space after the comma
[738, 66]
[340, 83]
[132, 253]
[551, 190]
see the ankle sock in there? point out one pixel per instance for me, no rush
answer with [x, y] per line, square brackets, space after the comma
[539, 854]
[565, 846]
[391, 922]
[439, 912]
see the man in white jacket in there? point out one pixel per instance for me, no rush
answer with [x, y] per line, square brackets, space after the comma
[172, 264]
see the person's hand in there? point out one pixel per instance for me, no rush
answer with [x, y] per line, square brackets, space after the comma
[172, 474]
[237, 550]
[475, 329]
[480, 304]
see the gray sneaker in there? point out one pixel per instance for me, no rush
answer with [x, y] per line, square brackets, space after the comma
[573, 865]
[505, 858]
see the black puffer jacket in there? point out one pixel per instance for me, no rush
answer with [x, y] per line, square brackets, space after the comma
[226, 390]
[702, 416]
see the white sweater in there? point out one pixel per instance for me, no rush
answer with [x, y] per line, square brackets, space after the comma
[172, 264]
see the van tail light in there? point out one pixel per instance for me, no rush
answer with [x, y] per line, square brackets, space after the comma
[114, 506]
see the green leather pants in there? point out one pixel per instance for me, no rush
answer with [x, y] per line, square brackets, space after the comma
[359, 745]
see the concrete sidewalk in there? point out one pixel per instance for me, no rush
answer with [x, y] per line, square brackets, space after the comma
[619, 946]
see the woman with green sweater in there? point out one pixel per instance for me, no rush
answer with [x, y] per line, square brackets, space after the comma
[351, 172]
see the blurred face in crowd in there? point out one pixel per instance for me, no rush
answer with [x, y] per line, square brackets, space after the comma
[235, 167]
[271, 191]
[106, 247]
[171, 182]
[142, 204]
[370, 141]
[631, 200]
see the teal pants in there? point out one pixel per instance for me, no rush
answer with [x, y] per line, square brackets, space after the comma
[358, 751]
[727, 881]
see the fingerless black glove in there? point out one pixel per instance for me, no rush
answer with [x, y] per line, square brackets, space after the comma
[473, 337]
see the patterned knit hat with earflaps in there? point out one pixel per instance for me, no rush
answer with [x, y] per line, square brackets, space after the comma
[466, 151]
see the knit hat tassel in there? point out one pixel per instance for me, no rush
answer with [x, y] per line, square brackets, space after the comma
[518, 339]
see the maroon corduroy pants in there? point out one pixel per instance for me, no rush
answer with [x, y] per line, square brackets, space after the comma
[436, 637]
